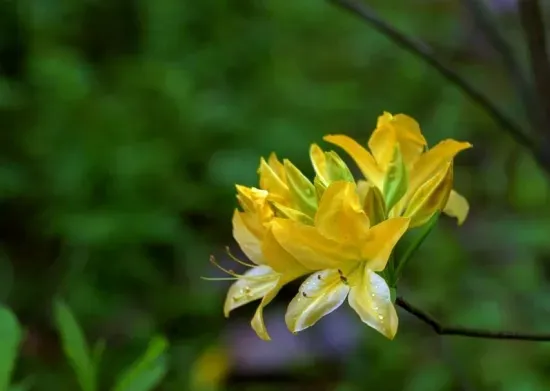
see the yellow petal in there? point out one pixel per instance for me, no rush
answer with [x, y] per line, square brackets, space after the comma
[340, 216]
[280, 260]
[430, 197]
[370, 298]
[364, 160]
[254, 203]
[312, 249]
[254, 284]
[290, 213]
[319, 295]
[382, 144]
[257, 323]
[409, 136]
[433, 161]
[250, 242]
[383, 238]
[457, 206]
[273, 183]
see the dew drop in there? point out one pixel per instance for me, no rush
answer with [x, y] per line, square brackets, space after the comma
[381, 317]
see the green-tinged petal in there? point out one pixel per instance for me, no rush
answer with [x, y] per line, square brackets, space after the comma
[253, 285]
[382, 144]
[277, 166]
[273, 183]
[340, 216]
[434, 160]
[319, 295]
[290, 213]
[320, 187]
[302, 191]
[457, 206]
[312, 249]
[373, 204]
[383, 238]
[319, 163]
[249, 241]
[362, 157]
[279, 259]
[370, 297]
[396, 180]
[409, 136]
[257, 323]
[430, 197]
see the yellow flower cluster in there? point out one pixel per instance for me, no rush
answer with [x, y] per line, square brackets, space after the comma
[339, 231]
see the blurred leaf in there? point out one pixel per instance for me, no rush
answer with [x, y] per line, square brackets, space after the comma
[10, 337]
[147, 371]
[75, 346]
[25, 385]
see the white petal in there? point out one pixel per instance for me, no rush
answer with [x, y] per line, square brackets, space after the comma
[253, 285]
[370, 298]
[320, 294]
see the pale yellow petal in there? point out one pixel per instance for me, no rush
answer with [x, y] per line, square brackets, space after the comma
[382, 240]
[457, 206]
[340, 216]
[253, 285]
[382, 145]
[434, 160]
[430, 197]
[310, 248]
[319, 295]
[362, 157]
[280, 260]
[250, 242]
[370, 297]
[257, 323]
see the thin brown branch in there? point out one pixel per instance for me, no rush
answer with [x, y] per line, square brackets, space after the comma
[465, 331]
[423, 51]
[533, 27]
[487, 25]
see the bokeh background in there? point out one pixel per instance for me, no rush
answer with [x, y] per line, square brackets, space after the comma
[126, 124]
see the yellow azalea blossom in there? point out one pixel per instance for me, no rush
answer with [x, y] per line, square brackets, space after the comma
[415, 182]
[273, 266]
[349, 252]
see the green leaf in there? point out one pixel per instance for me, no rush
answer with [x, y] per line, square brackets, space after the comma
[147, 371]
[10, 338]
[415, 245]
[301, 189]
[75, 346]
[396, 181]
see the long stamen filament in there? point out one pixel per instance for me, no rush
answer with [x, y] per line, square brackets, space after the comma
[234, 258]
[236, 276]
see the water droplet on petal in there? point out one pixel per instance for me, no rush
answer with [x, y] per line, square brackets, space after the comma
[381, 317]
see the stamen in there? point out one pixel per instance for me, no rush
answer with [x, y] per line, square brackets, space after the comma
[219, 278]
[235, 276]
[234, 258]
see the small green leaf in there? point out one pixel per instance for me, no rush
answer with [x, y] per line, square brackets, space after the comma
[396, 181]
[147, 371]
[10, 338]
[415, 245]
[75, 346]
[301, 189]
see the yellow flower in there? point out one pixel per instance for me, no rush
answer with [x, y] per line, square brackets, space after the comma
[348, 252]
[414, 182]
[273, 266]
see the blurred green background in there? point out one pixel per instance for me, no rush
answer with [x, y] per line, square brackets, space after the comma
[126, 124]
